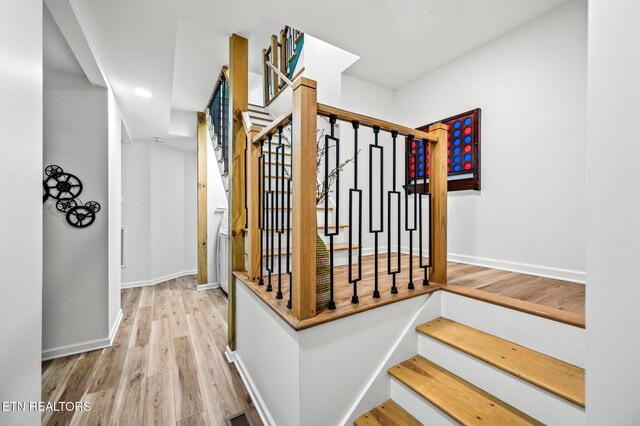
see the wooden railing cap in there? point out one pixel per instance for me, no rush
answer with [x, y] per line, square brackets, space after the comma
[304, 81]
[437, 126]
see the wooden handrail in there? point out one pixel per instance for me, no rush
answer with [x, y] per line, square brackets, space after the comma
[341, 114]
[273, 127]
[224, 71]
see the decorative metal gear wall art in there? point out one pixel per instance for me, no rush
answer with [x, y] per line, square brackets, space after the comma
[65, 188]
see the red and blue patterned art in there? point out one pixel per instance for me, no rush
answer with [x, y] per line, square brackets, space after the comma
[463, 148]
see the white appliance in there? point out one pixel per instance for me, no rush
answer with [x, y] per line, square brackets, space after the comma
[222, 248]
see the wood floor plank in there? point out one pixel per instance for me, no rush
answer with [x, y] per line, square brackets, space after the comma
[389, 413]
[553, 375]
[177, 315]
[219, 396]
[464, 402]
[204, 344]
[55, 377]
[100, 412]
[147, 295]
[159, 406]
[142, 327]
[161, 353]
[161, 307]
[130, 305]
[129, 404]
[109, 369]
[188, 397]
[76, 386]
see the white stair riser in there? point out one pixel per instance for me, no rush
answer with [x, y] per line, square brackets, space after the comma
[530, 399]
[564, 342]
[418, 407]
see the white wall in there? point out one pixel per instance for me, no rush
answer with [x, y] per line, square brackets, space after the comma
[136, 210]
[190, 217]
[530, 84]
[167, 211]
[114, 207]
[21, 212]
[613, 224]
[76, 260]
[159, 191]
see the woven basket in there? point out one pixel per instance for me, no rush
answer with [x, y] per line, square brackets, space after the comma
[322, 275]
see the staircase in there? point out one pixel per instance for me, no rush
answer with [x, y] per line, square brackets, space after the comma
[262, 117]
[463, 375]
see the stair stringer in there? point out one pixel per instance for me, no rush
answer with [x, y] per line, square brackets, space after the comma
[378, 388]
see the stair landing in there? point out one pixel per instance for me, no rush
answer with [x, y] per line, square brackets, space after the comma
[549, 298]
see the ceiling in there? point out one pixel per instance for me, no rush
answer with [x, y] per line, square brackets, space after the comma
[175, 48]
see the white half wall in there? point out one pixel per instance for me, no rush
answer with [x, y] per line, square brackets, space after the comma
[159, 212]
[21, 212]
[613, 224]
[531, 86]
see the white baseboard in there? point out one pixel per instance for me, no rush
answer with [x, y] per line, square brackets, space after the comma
[91, 345]
[258, 402]
[579, 277]
[203, 287]
[155, 281]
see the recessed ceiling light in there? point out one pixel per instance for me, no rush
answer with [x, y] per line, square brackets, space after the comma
[143, 93]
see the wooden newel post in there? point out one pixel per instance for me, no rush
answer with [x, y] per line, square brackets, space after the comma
[238, 103]
[253, 199]
[438, 189]
[305, 112]
[203, 269]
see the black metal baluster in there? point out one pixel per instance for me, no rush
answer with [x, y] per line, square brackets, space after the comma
[425, 280]
[391, 194]
[424, 160]
[270, 221]
[375, 231]
[280, 213]
[355, 190]
[327, 189]
[261, 209]
[409, 154]
[289, 238]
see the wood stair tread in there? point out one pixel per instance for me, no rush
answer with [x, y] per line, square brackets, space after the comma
[336, 247]
[558, 377]
[462, 401]
[389, 413]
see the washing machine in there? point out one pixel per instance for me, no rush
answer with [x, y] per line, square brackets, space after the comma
[222, 248]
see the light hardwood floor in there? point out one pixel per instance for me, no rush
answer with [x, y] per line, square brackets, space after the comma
[166, 367]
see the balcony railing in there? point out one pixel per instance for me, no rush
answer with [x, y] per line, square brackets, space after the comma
[294, 176]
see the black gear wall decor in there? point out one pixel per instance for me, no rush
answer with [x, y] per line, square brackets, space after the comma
[65, 189]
